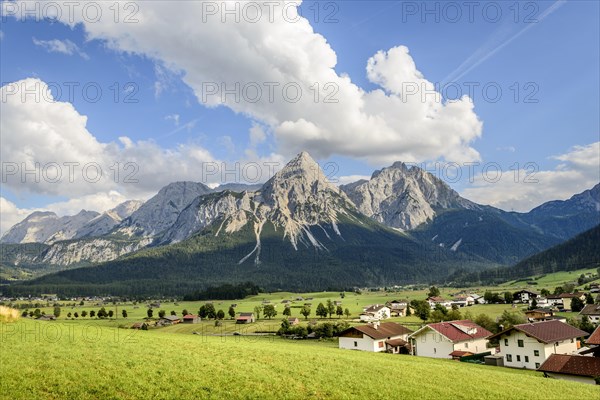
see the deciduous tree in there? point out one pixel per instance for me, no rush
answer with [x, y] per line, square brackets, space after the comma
[269, 311]
[305, 311]
[321, 310]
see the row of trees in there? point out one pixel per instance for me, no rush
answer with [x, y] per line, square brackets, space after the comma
[321, 330]
[102, 313]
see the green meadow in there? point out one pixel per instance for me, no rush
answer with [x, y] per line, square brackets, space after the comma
[55, 360]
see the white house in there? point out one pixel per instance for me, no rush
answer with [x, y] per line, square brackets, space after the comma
[525, 296]
[442, 339]
[529, 345]
[592, 311]
[433, 301]
[463, 300]
[375, 312]
[377, 337]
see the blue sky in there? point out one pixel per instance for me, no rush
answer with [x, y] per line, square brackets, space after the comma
[547, 51]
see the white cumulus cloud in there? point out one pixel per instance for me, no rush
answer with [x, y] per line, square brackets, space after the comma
[523, 190]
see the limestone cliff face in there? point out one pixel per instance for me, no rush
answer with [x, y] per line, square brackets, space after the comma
[161, 211]
[47, 227]
[296, 199]
[402, 197]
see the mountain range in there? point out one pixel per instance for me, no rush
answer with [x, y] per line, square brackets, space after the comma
[297, 231]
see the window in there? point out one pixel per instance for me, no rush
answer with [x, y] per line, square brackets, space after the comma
[526, 358]
[466, 345]
[434, 350]
[355, 344]
[537, 365]
[509, 357]
[380, 345]
[520, 343]
[506, 342]
[518, 358]
[572, 340]
[536, 353]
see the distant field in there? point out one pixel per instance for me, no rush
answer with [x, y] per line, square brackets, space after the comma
[51, 360]
[552, 280]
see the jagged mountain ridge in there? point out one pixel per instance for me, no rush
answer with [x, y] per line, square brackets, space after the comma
[162, 210]
[296, 199]
[303, 208]
[47, 227]
[108, 220]
[404, 198]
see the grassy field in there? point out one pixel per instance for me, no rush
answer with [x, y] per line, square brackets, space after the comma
[550, 281]
[53, 360]
[353, 301]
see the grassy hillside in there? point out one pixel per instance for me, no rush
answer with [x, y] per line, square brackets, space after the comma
[582, 251]
[71, 361]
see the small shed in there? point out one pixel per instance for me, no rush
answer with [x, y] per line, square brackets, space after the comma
[245, 318]
[495, 360]
[191, 319]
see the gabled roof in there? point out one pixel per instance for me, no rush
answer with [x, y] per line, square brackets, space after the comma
[436, 299]
[546, 331]
[385, 330]
[246, 314]
[396, 342]
[572, 365]
[171, 317]
[460, 353]
[457, 331]
[526, 291]
[591, 309]
[375, 307]
[190, 316]
[594, 337]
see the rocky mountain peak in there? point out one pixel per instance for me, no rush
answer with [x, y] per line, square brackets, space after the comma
[403, 197]
[162, 210]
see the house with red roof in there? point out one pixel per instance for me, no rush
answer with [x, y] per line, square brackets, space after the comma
[529, 345]
[437, 300]
[450, 339]
[191, 319]
[377, 337]
[245, 318]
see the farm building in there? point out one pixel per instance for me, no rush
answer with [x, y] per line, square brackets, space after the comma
[245, 318]
[529, 345]
[293, 320]
[376, 337]
[442, 339]
[191, 319]
[171, 319]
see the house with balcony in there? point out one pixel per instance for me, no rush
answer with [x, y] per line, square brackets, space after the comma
[447, 339]
[529, 345]
[376, 337]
